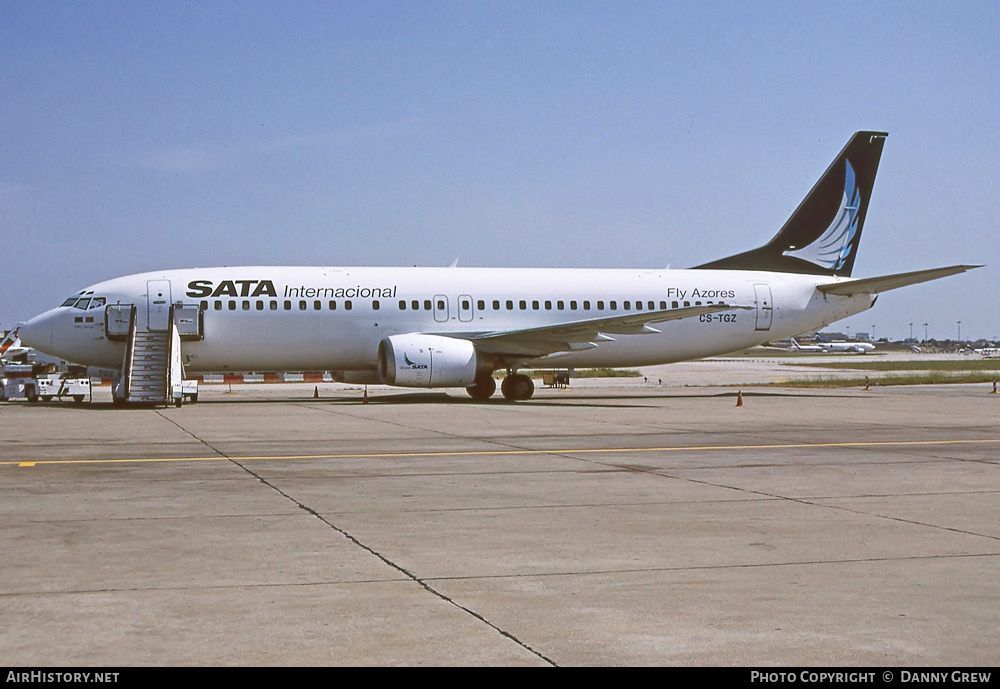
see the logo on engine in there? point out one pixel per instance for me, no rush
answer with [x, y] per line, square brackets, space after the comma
[412, 365]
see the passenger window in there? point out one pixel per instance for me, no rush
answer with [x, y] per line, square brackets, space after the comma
[548, 305]
[302, 305]
[203, 305]
[586, 305]
[600, 305]
[627, 305]
[415, 305]
[509, 305]
[332, 305]
[317, 305]
[288, 305]
[260, 305]
[427, 304]
[466, 305]
[674, 304]
[376, 305]
[402, 305]
[614, 305]
[687, 303]
[560, 305]
[481, 305]
[534, 304]
[572, 306]
[523, 304]
[663, 306]
[274, 305]
[218, 305]
[496, 304]
[232, 305]
[348, 305]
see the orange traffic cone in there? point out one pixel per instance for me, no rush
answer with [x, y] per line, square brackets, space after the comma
[316, 393]
[739, 398]
[364, 400]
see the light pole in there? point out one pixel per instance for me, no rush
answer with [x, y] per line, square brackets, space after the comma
[925, 332]
[959, 331]
[873, 332]
[911, 329]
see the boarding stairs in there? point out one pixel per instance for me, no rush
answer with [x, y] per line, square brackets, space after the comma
[152, 369]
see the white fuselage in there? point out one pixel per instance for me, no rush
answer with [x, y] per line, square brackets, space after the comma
[314, 318]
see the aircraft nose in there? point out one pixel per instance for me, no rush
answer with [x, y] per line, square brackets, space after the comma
[39, 331]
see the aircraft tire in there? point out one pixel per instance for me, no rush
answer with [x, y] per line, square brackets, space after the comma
[517, 386]
[483, 388]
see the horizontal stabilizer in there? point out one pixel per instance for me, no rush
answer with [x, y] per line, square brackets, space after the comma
[848, 288]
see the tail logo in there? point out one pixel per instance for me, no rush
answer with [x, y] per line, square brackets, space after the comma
[832, 248]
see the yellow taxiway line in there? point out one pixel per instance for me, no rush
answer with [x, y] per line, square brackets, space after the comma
[499, 453]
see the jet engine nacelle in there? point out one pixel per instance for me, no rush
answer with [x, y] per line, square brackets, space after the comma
[415, 360]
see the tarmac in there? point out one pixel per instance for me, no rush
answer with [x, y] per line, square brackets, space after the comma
[612, 523]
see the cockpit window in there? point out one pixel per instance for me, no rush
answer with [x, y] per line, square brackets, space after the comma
[85, 303]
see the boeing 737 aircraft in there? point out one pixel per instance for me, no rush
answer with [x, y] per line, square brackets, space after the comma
[453, 327]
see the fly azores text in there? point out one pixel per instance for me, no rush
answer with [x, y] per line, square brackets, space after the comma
[265, 288]
[700, 293]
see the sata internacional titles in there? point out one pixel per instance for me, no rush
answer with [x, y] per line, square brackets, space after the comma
[266, 288]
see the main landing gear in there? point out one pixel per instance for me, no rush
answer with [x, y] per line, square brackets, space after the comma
[483, 388]
[515, 386]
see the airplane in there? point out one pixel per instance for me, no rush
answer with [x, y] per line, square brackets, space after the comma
[829, 347]
[424, 327]
[10, 346]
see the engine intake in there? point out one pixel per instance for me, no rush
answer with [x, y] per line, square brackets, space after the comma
[416, 360]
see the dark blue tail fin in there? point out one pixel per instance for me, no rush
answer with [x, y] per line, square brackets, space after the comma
[821, 237]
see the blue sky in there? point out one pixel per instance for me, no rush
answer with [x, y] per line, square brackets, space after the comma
[138, 136]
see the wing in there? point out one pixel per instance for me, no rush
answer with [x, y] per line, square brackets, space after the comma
[576, 336]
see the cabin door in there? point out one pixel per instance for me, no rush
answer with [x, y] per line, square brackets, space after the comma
[157, 304]
[765, 310]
